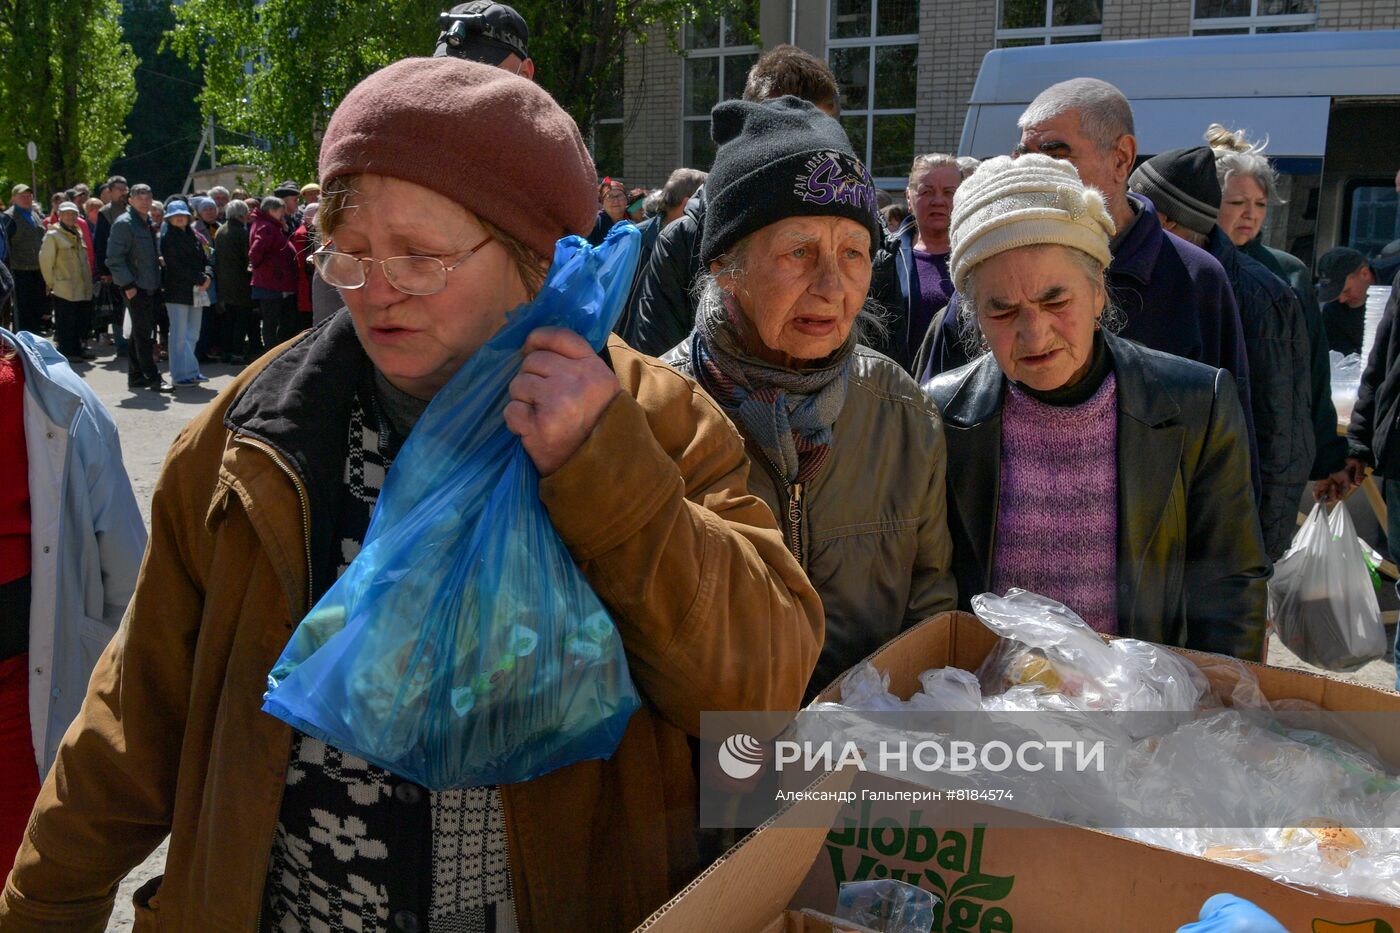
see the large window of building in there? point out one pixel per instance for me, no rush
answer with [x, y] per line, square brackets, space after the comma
[873, 47]
[609, 131]
[719, 50]
[1242, 17]
[1048, 22]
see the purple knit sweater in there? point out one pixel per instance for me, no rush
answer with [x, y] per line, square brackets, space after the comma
[1057, 519]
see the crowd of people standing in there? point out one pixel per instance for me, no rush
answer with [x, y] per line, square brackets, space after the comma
[213, 276]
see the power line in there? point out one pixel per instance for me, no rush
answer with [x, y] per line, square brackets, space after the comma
[161, 74]
[173, 142]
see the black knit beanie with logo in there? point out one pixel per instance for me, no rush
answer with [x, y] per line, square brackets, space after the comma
[778, 159]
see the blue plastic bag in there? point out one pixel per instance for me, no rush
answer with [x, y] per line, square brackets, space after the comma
[463, 646]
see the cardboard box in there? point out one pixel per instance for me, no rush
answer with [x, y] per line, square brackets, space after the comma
[1048, 877]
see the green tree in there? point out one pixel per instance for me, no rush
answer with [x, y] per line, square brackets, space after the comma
[66, 82]
[276, 70]
[166, 124]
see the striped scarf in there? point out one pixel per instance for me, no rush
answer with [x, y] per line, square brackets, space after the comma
[788, 413]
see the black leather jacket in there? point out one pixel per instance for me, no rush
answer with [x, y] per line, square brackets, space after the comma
[1191, 565]
[661, 308]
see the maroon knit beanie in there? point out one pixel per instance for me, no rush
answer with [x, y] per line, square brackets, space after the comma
[495, 143]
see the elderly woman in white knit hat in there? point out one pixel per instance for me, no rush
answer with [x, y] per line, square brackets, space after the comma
[1113, 478]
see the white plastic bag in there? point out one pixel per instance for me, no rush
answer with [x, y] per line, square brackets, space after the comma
[1321, 598]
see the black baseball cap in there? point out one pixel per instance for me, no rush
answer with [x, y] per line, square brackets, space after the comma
[1332, 271]
[483, 31]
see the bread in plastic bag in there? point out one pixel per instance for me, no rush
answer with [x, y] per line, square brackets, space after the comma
[463, 646]
[1045, 644]
[1321, 598]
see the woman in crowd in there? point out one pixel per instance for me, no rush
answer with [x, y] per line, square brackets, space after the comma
[239, 336]
[162, 348]
[917, 253]
[266, 497]
[63, 260]
[274, 263]
[1248, 185]
[1084, 467]
[71, 539]
[845, 448]
[304, 242]
[186, 273]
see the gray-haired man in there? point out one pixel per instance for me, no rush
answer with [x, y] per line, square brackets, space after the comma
[1174, 297]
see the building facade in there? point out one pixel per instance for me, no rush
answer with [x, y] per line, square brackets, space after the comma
[906, 67]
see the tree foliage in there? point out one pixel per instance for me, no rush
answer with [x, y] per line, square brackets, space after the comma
[166, 124]
[66, 82]
[276, 70]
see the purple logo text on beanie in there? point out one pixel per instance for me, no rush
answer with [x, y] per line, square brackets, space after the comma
[836, 178]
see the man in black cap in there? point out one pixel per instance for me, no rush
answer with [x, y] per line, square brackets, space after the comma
[1343, 275]
[487, 32]
[1184, 187]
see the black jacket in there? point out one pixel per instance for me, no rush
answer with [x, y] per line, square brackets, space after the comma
[1371, 436]
[1331, 448]
[231, 272]
[650, 230]
[1191, 564]
[1280, 387]
[186, 265]
[661, 311]
[894, 283]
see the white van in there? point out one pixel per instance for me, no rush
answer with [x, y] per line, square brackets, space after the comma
[1329, 103]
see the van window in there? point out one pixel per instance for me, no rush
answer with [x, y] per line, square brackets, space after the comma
[1374, 210]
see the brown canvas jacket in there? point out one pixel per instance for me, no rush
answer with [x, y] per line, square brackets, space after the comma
[714, 613]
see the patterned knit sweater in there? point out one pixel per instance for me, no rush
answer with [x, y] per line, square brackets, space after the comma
[1057, 518]
[357, 848]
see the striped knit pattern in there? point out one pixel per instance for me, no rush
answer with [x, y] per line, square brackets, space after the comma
[1057, 519]
[757, 409]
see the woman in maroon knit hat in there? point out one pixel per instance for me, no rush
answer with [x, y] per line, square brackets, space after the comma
[266, 498]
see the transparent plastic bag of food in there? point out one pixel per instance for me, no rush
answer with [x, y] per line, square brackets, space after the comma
[1046, 645]
[463, 646]
[887, 905]
[1321, 598]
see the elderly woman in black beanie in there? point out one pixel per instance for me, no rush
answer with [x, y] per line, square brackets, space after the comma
[847, 451]
[266, 498]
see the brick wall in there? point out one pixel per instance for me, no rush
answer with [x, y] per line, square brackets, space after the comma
[953, 37]
[1341, 15]
[1146, 19]
[652, 111]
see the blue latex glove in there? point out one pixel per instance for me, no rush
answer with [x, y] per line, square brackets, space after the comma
[1226, 913]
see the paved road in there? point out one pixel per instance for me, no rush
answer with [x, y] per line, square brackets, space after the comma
[149, 422]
